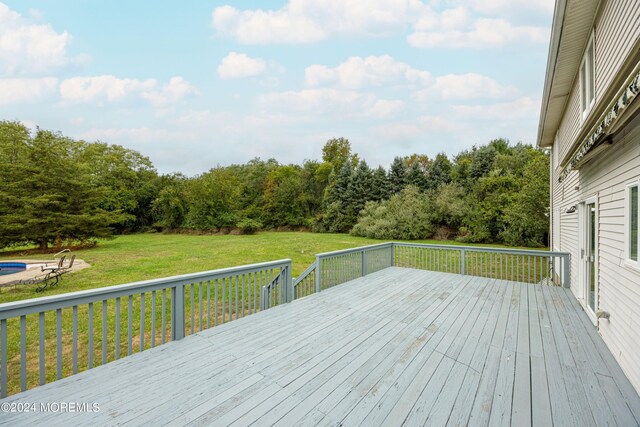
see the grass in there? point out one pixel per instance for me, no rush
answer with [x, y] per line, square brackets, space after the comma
[140, 257]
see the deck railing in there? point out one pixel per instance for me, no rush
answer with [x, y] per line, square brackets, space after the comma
[52, 337]
[521, 265]
[529, 266]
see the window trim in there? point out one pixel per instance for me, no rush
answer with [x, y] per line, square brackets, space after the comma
[590, 52]
[555, 148]
[635, 264]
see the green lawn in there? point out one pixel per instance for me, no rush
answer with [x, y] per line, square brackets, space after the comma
[147, 256]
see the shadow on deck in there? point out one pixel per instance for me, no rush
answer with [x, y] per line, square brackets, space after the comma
[399, 346]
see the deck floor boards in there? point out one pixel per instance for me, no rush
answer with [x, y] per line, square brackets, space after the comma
[397, 347]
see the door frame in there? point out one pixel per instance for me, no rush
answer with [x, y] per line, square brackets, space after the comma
[583, 229]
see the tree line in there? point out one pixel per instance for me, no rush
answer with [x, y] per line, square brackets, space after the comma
[56, 190]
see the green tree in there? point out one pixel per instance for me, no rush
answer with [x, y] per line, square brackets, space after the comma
[397, 175]
[169, 208]
[49, 193]
[285, 203]
[336, 152]
[527, 218]
[439, 172]
[213, 199]
[359, 192]
[130, 180]
[379, 185]
[406, 215]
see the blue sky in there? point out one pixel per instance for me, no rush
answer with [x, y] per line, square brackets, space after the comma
[193, 84]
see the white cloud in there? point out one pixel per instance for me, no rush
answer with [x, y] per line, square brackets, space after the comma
[307, 21]
[264, 27]
[482, 33]
[111, 88]
[505, 6]
[177, 89]
[357, 72]
[327, 101]
[139, 134]
[520, 108]
[383, 108]
[26, 90]
[465, 86]
[27, 48]
[238, 65]
[99, 88]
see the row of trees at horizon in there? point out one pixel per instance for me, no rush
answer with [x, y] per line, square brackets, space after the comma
[57, 189]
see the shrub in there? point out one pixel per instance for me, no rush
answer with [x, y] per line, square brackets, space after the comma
[406, 215]
[248, 226]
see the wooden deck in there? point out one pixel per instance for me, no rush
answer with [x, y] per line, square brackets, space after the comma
[399, 346]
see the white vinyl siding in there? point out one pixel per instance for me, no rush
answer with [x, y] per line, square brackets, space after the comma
[618, 29]
[608, 176]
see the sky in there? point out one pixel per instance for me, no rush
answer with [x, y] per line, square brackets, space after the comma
[193, 84]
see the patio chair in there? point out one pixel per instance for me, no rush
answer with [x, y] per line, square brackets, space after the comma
[55, 267]
[54, 274]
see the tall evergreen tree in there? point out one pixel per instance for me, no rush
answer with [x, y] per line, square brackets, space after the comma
[397, 175]
[359, 192]
[416, 177]
[379, 185]
[439, 172]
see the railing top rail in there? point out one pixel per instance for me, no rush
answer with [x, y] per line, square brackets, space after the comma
[34, 305]
[539, 252]
[357, 249]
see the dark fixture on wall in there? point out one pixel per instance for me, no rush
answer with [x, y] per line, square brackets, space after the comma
[571, 209]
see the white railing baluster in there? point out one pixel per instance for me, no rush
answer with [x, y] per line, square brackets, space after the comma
[74, 339]
[142, 328]
[153, 319]
[117, 337]
[215, 299]
[23, 353]
[58, 343]
[130, 325]
[200, 305]
[192, 310]
[208, 304]
[41, 328]
[3, 358]
[90, 335]
[224, 299]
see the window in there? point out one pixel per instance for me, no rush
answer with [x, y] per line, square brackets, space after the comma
[587, 80]
[633, 224]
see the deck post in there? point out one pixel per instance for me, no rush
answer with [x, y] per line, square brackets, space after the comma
[289, 282]
[363, 264]
[177, 312]
[463, 269]
[318, 268]
[567, 273]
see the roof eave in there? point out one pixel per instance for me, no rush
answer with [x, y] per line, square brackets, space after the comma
[554, 47]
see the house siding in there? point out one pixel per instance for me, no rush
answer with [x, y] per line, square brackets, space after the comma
[617, 30]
